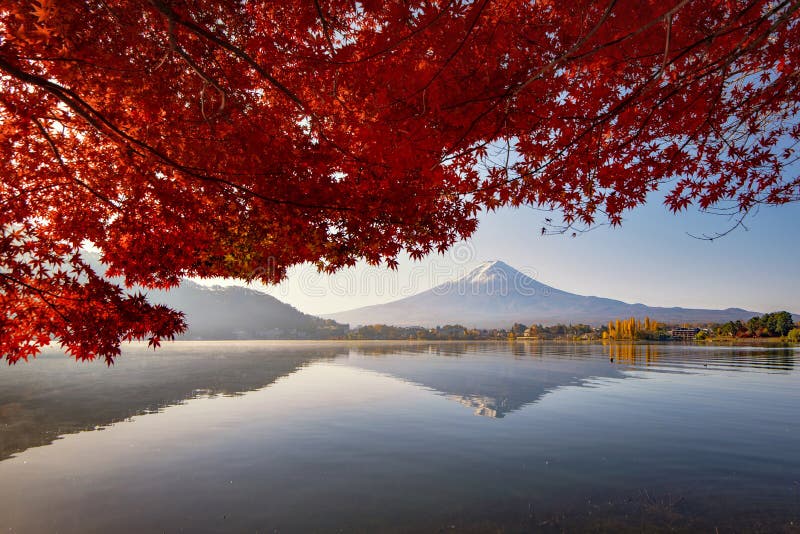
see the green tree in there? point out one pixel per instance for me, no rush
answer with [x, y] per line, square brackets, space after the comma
[779, 323]
[701, 336]
[794, 335]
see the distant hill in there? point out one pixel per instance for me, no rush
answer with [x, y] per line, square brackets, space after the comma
[241, 313]
[235, 312]
[495, 295]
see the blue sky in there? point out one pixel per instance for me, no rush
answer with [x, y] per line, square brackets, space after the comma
[649, 259]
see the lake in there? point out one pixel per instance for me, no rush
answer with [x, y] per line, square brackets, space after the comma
[403, 437]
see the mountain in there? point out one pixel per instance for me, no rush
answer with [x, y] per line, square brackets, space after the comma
[495, 295]
[233, 312]
[241, 313]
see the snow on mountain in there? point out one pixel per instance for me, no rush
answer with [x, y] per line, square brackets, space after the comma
[495, 295]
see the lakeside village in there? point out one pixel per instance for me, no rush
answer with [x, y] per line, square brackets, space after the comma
[777, 327]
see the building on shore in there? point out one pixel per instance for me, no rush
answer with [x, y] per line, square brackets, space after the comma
[684, 334]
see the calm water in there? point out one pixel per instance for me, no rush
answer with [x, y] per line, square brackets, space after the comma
[296, 437]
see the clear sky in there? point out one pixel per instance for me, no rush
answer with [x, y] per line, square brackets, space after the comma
[649, 259]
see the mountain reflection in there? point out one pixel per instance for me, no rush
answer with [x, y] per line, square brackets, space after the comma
[53, 396]
[496, 379]
[493, 379]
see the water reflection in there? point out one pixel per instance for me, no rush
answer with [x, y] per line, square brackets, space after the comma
[491, 379]
[383, 437]
[53, 396]
[674, 356]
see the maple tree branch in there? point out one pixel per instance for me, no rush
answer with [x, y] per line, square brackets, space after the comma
[40, 294]
[41, 291]
[26, 192]
[566, 55]
[413, 33]
[671, 13]
[78, 61]
[635, 94]
[171, 15]
[65, 168]
[102, 123]
[666, 44]
[454, 53]
[173, 42]
[540, 72]
[717, 235]
[573, 141]
[324, 22]
[597, 121]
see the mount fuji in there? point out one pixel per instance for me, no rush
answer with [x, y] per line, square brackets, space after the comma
[495, 295]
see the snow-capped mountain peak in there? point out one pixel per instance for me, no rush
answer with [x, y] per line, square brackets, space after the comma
[491, 271]
[494, 294]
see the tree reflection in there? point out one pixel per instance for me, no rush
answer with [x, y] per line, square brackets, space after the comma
[54, 396]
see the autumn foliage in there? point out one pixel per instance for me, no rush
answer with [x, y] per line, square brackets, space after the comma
[221, 138]
[630, 328]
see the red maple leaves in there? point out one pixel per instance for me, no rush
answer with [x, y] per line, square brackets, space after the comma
[210, 138]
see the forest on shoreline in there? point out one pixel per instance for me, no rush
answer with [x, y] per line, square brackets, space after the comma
[776, 326]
